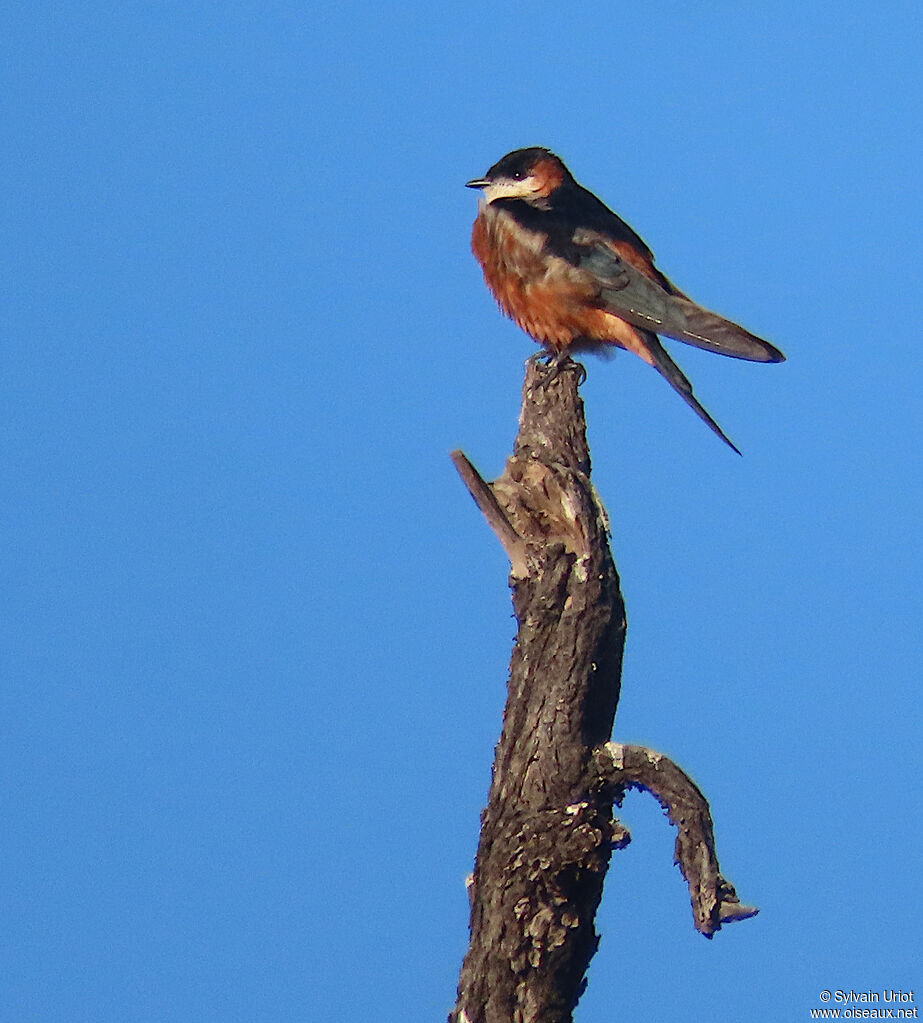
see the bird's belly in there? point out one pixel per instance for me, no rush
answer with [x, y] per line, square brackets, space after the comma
[546, 296]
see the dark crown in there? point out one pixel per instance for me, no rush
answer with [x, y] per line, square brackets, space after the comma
[520, 163]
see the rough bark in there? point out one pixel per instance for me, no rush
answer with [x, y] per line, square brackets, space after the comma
[548, 831]
[714, 900]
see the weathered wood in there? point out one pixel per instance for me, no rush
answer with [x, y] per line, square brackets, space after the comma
[714, 900]
[547, 832]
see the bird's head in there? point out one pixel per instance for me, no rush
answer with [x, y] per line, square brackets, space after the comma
[527, 174]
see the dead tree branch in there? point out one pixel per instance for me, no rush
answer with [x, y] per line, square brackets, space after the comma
[548, 831]
[714, 901]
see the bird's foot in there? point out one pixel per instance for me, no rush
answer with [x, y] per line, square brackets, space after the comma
[556, 363]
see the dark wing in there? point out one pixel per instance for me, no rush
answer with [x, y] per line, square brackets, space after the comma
[578, 205]
[642, 301]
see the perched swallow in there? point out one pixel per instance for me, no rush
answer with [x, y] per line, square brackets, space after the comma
[575, 276]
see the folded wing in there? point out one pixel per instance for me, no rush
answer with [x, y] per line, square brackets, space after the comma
[632, 295]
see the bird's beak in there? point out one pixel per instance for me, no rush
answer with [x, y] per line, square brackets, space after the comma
[477, 183]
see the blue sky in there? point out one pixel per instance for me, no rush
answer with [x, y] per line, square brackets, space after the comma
[255, 634]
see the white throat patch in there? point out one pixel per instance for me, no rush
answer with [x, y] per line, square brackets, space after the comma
[506, 188]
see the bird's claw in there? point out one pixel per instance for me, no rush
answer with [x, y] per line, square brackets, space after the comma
[555, 363]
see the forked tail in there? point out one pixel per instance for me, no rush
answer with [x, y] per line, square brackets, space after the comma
[668, 369]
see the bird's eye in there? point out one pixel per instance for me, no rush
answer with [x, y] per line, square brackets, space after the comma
[518, 175]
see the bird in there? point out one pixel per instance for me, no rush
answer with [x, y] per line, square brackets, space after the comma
[575, 277]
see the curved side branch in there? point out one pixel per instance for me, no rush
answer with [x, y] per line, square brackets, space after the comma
[714, 901]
